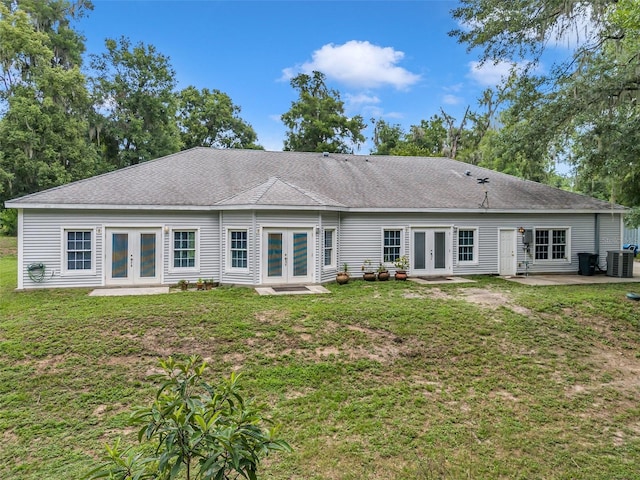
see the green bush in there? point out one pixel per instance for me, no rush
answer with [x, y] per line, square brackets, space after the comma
[196, 430]
[9, 222]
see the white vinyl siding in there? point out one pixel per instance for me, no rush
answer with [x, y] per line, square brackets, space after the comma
[358, 237]
[43, 241]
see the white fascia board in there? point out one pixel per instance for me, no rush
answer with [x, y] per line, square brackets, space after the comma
[199, 208]
[205, 208]
[483, 211]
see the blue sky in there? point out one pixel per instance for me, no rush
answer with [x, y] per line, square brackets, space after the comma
[388, 59]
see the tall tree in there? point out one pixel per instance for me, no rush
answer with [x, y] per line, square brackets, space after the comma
[386, 137]
[316, 121]
[134, 88]
[210, 119]
[585, 109]
[44, 132]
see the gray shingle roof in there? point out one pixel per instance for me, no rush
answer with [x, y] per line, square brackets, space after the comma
[209, 178]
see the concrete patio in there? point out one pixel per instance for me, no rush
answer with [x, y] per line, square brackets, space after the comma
[573, 279]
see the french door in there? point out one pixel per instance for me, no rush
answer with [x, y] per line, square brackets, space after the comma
[431, 248]
[287, 255]
[132, 256]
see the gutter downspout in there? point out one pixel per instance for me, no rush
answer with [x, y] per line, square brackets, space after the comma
[596, 235]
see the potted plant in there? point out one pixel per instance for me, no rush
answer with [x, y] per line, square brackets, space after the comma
[208, 283]
[200, 284]
[383, 273]
[342, 276]
[183, 284]
[369, 273]
[401, 264]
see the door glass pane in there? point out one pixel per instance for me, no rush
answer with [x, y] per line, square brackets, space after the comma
[419, 250]
[300, 254]
[274, 265]
[439, 254]
[147, 255]
[119, 255]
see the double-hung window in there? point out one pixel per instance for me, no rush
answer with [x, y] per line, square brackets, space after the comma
[184, 249]
[467, 245]
[329, 257]
[551, 244]
[78, 250]
[391, 245]
[238, 249]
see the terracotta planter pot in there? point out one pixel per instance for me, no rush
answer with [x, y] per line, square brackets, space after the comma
[342, 278]
[383, 276]
[369, 276]
[400, 275]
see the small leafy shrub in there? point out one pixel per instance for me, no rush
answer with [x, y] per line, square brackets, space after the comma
[195, 430]
[9, 221]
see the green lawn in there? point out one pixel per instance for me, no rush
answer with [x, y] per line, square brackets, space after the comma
[385, 380]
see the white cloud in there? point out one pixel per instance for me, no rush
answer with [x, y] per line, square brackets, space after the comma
[449, 99]
[361, 99]
[489, 74]
[575, 28]
[358, 64]
[492, 74]
[453, 88]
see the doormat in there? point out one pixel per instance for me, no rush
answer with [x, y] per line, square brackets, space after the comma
[290, 289]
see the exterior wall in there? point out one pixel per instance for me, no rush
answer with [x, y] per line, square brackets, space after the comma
[254, 222]
[361, 238]
[329, 220]
[632, 235]
[611, 236]
[42, 241]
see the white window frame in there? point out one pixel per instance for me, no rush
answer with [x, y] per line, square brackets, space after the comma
[228, 254]
[333, 255]
[476, 242]
[567, 250]
[382, 244]
[172, 267]
[64, 270]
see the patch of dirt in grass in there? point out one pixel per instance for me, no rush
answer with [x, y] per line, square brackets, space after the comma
[479, 296]
[236, 359]
[47, 364]
[9, 437]
[163, 342]
[370, 344]
[272, 317]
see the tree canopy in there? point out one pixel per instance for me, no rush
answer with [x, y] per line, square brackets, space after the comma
[316, 121]
[210, 119]
[44, 127]
[585, 110]
[59, 123]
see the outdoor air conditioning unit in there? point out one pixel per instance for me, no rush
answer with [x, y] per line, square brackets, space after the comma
[620, 263]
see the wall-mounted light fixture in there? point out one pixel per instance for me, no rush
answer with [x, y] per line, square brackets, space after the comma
[166, 229]
[521, 230]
